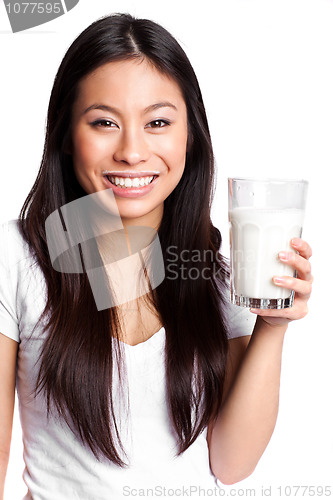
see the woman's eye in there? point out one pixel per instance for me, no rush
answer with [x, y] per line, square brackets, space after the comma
[103, 124]
[158, 124]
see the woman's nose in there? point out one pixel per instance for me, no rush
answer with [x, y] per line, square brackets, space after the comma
[131, 148]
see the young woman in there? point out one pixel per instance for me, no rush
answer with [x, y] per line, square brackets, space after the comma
[176, 388]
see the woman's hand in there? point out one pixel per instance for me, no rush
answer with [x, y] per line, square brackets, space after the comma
[302, 285]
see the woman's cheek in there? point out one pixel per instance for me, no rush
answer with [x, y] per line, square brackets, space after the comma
[87, 149]
[173, 150]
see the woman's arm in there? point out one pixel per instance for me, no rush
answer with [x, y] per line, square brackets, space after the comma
[239, 436]
[248, 416]
[8, 353]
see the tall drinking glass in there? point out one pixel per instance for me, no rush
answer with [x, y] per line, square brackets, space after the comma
[264, 216]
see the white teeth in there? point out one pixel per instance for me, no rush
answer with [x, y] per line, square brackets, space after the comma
[128, 182]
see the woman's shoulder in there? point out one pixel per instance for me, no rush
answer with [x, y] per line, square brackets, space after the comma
[12, 259]
[10, 230]
[12, 243]
[22, 287]
[240, 321]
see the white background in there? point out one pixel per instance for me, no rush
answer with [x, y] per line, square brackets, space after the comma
[266, 73]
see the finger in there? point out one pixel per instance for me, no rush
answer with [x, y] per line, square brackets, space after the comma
[302, 247]
[301, 264]
[301, 287]
[279, 316]
[273, 313]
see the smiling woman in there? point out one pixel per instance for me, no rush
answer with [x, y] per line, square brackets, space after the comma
[179, 388]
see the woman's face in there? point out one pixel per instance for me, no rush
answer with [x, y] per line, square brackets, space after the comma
[129, 134]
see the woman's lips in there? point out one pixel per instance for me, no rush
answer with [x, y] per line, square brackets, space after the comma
[130, 192]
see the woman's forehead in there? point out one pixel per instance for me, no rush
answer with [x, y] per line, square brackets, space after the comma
[130, 83]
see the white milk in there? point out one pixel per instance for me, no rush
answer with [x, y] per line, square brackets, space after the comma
[257, 236]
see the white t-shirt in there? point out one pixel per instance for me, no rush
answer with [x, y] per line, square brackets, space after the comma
[57, 465]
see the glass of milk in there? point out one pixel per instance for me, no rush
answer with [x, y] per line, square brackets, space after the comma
[264, 216]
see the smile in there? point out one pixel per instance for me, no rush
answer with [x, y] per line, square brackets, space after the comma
[128, 182]
[132, 185]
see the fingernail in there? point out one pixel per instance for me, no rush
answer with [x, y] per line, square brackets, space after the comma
[278, 279]
[296, 242]
[284, 256]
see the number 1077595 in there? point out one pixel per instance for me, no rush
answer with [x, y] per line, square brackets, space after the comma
[302, 491]
[34, 8]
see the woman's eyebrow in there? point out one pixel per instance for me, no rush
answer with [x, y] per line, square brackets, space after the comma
[158, 105]
[110, 109]
[102, 107]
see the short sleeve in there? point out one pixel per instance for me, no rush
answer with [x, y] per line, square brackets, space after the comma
[240, 321]
[8, 318]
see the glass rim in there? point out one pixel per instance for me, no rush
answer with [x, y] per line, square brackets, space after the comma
[269, 179]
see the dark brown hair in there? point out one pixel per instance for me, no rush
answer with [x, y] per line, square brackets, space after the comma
[78, 357]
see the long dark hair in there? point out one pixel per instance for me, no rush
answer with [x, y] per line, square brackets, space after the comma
[77, 357]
